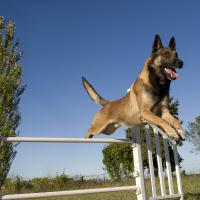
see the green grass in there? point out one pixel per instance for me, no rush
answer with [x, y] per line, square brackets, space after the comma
[191, 188]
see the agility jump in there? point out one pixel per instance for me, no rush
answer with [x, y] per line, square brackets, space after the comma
[138, 166]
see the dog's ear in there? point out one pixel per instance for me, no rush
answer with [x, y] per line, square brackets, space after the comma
[172, 43]
[157, 44]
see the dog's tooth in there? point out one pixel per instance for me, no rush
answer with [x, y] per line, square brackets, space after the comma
[117, 125]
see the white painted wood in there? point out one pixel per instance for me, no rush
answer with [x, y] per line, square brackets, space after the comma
[150, 159]
[159, 161]
[65, 193]
[178, 174]
[138, 164]
[64, 140]
[168, 165]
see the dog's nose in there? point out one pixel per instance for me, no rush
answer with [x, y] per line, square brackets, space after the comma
[180, 63]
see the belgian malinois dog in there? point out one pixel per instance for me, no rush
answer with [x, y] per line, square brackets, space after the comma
[147, 100]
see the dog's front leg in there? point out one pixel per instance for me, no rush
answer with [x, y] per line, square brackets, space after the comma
[175, 123]
[148, 117]
[145, 103]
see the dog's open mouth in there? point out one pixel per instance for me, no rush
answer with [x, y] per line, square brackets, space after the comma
[171, 72]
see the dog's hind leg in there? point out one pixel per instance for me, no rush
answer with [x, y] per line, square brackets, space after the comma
[91, 132]
[107, 129]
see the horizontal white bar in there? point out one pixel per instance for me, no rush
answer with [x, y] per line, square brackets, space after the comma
[64, 140]
[165, 197]
[65, 193]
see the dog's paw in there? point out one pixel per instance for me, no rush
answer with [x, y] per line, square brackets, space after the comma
[172, 134]
[181, 133]
[175, 138]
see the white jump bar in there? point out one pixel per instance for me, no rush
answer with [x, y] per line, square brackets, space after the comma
[64, 140]
[65, 193]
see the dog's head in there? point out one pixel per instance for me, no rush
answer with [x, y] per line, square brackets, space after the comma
[165, 60]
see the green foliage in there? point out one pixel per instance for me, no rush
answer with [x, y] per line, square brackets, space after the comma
[45, 184]
[118, 158]
[61, 180]
[173, 106]
[18, 184]
[10, 91]
[193, 134]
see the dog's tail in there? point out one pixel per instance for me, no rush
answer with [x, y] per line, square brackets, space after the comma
[93, 94]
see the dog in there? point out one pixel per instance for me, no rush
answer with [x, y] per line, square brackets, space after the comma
[147, 100]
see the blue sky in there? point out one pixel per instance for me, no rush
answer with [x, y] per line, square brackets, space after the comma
[107, 42]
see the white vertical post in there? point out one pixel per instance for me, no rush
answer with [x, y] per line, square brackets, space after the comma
[138, 164]
[159, 161]
[178, 174]
[168, 165]
[150, 159]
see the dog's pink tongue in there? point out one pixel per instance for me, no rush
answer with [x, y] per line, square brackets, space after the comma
[172, 73]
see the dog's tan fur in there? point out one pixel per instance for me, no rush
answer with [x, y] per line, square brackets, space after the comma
[142, 104]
